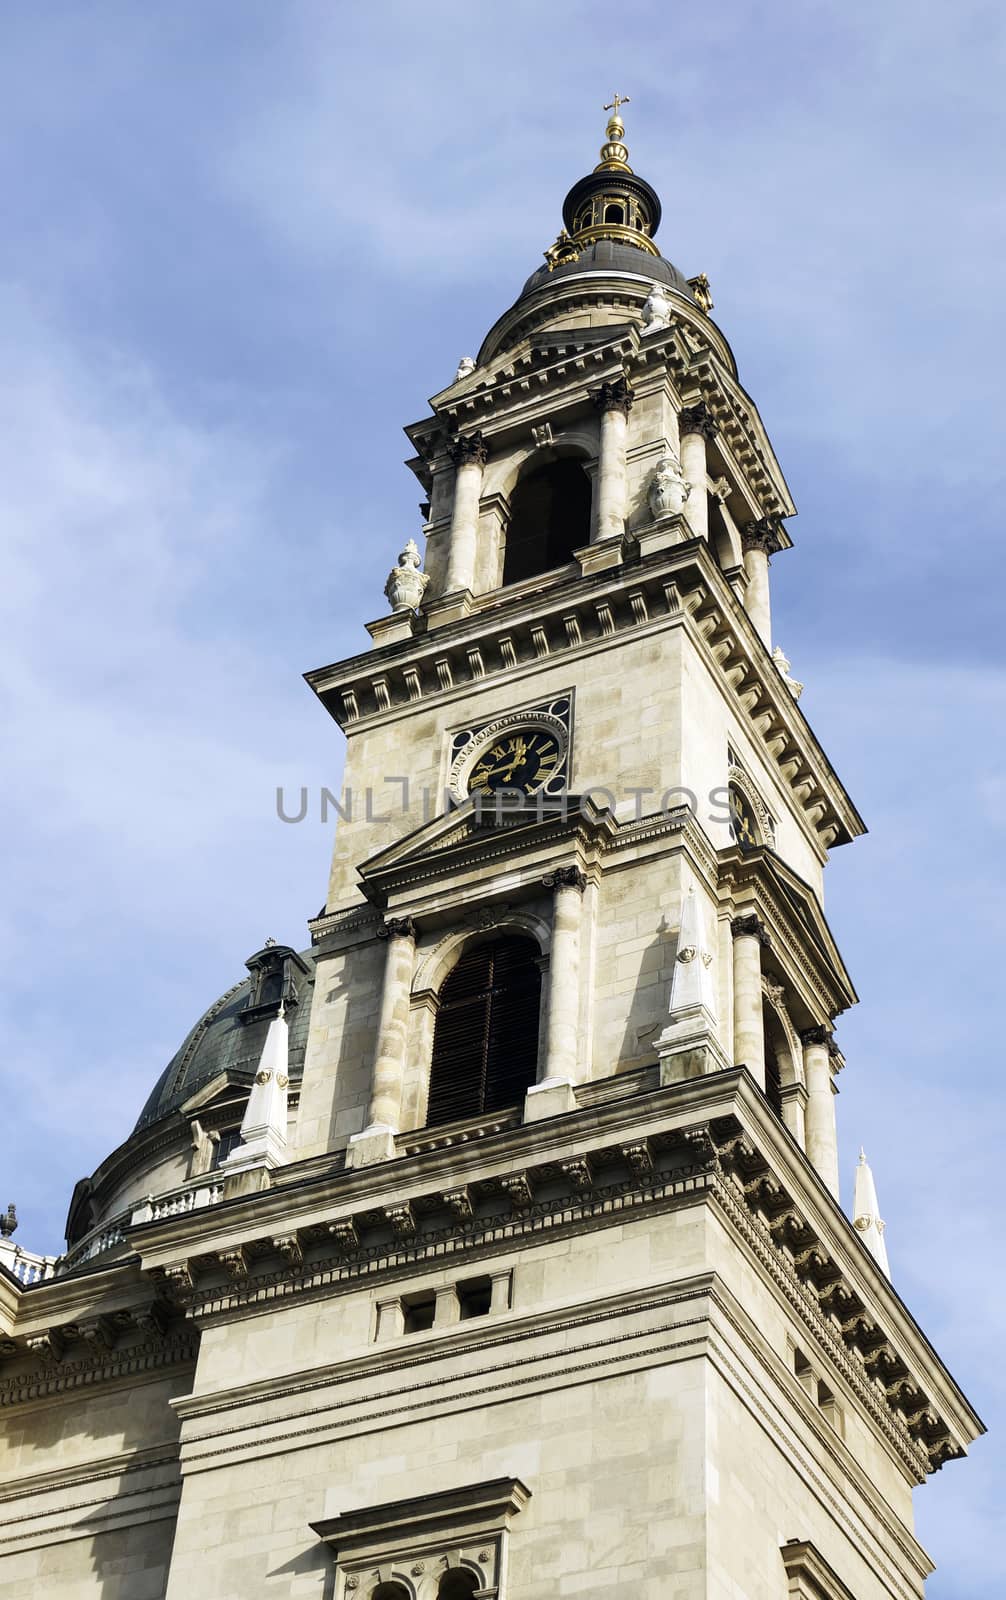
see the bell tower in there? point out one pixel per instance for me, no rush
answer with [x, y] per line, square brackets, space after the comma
[526, 1274]
[577, 960]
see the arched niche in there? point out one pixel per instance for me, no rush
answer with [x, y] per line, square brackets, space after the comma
[549, 517]
[783, 1059]
[457, 1583]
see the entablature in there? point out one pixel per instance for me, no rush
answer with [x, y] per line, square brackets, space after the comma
[706, 1140]
[680, 586]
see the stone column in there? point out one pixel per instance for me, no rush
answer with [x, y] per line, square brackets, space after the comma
[376, 1142]
[562, 1036]
[695, 426]
[759, 541]
[749, 1032]
[822, 1137]
[614, 402]
[469, 454]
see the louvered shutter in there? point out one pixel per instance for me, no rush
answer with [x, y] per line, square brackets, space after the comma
[485, 1044]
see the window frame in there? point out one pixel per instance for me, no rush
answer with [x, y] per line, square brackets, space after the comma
[414, 1542]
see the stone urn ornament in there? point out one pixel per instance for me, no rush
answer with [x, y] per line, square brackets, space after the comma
[466, 366]
[406, 585]
[668, 489]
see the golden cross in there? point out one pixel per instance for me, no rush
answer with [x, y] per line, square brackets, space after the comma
[618, 100]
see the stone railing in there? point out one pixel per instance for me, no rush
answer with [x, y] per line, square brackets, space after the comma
[105, 1237]
[194, 1197]
[25, 1265]
[112, 1232]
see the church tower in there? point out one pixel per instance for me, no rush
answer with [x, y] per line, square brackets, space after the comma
[493, 1245]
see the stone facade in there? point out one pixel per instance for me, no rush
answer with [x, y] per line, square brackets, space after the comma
[616, 1335]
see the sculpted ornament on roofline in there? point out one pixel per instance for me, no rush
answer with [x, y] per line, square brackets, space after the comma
[407, 582]
[668, 489]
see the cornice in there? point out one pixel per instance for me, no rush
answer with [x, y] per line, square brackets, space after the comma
[595, 838]
[403, 1362]
[709, 1139]
[679, 587]
[803, 949]
[99, 1470]
[180, 1347]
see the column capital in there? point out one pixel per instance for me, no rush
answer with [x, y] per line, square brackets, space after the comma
[615, 395]
[697, 419]
[750, 926]
[816, 1035]
[565, 878]
[398, 928]
[467, 448]
[762, 534]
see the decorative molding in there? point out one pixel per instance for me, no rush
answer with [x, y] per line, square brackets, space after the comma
[762, 534]
[59, 1377]
[810, 1576]
[697, 419]
[412, 1543]
[468, 449]
[565, 878]
[613, 395]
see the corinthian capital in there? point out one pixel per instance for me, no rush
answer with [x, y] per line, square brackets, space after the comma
[613, 396]
[697, 419]
[565, 878]
[762, 534]
[467, 448]
[817, 1035]
[397, 928]
[750, 926]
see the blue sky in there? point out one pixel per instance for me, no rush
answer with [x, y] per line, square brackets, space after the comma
[242, 242]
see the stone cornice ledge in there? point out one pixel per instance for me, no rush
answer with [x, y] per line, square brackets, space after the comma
[740, 1153]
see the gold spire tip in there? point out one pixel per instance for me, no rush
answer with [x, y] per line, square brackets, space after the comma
[614, 155]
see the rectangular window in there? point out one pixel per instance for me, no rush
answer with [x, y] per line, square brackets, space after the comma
[475, 1297]
[418, 1311]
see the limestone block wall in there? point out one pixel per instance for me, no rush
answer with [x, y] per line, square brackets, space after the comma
[650, 1412]
[89, 1488]
[627, 732]
[793, 1496]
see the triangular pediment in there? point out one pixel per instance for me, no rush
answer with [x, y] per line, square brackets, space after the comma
[474, 830]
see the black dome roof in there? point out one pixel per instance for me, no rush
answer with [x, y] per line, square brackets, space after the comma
[222, 1042]
[611, 255]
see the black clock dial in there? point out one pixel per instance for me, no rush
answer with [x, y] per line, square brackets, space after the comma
[524, 760]
[742, 823]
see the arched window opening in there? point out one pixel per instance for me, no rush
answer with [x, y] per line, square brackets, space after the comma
[773, 1071]
[390, 1591]
[549, 519]
[485, 1042]
[457, 1584]
[614, 214]
[719, 538]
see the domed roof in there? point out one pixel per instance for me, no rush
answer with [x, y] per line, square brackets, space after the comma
[610, 218]
[611, 255]
[229, 1035]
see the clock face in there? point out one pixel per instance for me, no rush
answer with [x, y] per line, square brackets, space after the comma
[521, 758]
[742, 822]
